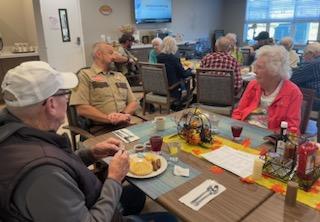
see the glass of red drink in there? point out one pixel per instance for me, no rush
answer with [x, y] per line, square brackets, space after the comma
[156, 143]
[236, 132]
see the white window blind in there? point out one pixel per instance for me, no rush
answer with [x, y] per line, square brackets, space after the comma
[282, 10]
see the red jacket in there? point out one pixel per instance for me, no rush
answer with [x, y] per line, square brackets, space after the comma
[285, 107]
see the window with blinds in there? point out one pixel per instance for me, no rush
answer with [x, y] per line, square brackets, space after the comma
[296, 18]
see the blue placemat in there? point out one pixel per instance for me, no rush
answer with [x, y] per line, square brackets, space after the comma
[256, 134]
[163, 183]
[147, 129]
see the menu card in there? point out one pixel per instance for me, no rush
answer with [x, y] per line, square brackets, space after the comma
[235, 161]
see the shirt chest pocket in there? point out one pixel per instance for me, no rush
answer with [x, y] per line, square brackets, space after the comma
[100, 91]
[123, 89]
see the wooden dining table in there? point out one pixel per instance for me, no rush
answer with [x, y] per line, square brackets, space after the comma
[275, 210]
[240, 201]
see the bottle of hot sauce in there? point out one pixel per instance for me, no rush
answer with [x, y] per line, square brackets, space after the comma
[281, 142]
[291, 144]
[306, 161]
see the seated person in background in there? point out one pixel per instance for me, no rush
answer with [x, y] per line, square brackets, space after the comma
[174, 68]
[287, 42]
[43, 179]
[126, 63]
[156, 44]
[307, 75]
[235, 52]
[271, 98]
[102, 95]
[262, 39]
[221, 59]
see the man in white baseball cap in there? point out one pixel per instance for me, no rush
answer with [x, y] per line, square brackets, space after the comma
[41, 178]
[33, 82]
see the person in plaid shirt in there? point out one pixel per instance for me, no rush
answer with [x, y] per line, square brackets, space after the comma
[222, 59]
[307, 75]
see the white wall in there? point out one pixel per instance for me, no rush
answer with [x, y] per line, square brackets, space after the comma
[234, 13]
[193, 18]
[17, 22]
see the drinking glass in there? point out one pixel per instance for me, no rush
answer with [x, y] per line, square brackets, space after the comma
[236, 132]
[156, 143]
[174, 149]
[215, 124]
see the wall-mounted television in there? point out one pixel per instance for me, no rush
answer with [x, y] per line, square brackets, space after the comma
[152, 11]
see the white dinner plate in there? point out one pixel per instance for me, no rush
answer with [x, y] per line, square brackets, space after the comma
[164, 165]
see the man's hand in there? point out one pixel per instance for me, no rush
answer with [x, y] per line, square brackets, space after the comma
[119, 166]
[116, 118]
[107, 148]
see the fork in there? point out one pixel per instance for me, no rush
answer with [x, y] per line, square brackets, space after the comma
[122, 135]
[213, 190]
[128, 135]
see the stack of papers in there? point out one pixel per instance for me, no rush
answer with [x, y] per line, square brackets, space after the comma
[237, 162]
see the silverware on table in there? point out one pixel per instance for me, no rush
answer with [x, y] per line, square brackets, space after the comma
[128, 135]
[209, 191]
[122, 135]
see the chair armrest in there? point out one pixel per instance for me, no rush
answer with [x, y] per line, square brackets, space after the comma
[79, 131]
[140, 117]
[175, 85]
[190, 79]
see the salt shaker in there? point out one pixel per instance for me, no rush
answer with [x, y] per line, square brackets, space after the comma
[291, 195]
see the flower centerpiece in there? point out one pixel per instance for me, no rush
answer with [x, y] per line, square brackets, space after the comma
[195, 128]
[128, 29]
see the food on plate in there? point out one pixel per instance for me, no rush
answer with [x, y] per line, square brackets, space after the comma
[156, 164]
[140, 166]
[145, 164]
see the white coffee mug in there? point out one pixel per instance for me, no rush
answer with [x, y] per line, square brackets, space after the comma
[160, 123]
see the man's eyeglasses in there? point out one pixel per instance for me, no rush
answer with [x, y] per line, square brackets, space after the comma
[62, 93]
[66, 93]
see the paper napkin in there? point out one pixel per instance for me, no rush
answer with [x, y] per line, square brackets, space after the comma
[193, 194]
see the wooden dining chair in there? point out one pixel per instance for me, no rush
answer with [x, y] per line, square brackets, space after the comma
[156, 89]
[84, 128]
[306, 108]
[215, 89]
[315, 118]
[247, 57]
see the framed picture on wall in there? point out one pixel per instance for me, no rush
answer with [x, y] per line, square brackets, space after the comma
[64, 25]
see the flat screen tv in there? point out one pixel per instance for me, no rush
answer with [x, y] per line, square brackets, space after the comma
[152, 11]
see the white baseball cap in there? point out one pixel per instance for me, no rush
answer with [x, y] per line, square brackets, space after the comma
[33, 82]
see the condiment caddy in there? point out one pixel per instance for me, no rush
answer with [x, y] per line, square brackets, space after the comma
[297, 160]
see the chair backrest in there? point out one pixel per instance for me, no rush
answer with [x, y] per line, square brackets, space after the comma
[154, 78]
[246, 54]
[215, 87]
[306, 107]
[73, 118]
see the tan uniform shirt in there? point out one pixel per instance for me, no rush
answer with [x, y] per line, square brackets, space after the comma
[108, 92]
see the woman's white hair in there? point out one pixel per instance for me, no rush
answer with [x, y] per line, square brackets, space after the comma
[169, 45]
[313, 48]
[232, 37]
[156, 40]
[277, 60]
[287, 42]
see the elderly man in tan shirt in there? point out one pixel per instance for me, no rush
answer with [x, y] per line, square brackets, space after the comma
[102, 95]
